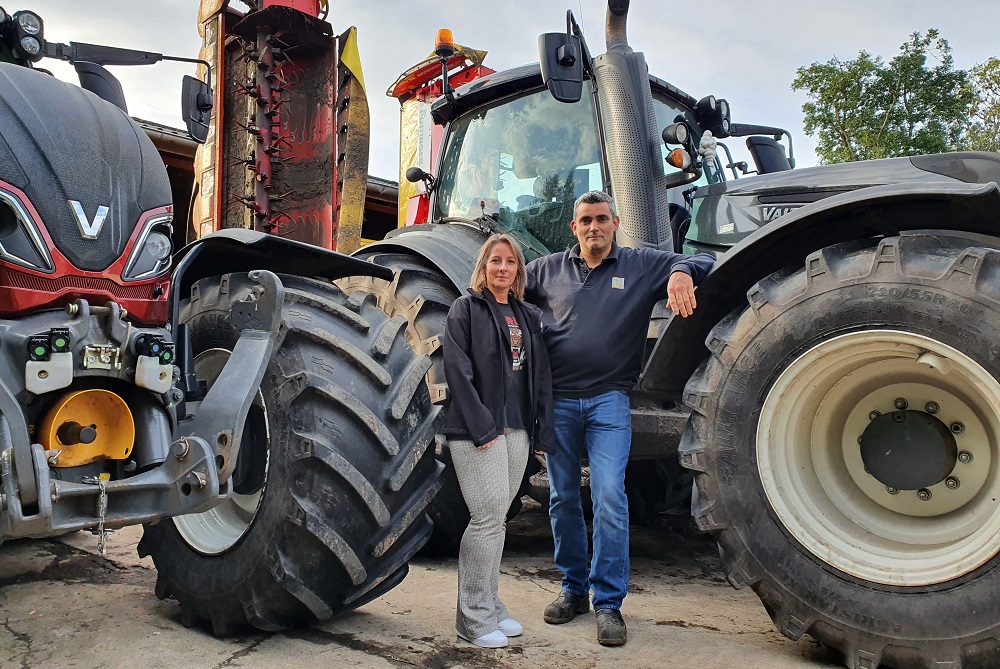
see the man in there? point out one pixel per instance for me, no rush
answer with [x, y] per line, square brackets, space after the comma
[596, 300]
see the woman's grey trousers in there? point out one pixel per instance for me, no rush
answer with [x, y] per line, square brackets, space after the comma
[489, 478]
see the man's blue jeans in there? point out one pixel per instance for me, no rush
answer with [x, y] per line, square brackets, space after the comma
[601, 428]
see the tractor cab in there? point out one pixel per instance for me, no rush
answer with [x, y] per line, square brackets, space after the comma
[511, 153]
[514, 159]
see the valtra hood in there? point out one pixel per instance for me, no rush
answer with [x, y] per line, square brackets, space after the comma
[60, 145]
[725, 213]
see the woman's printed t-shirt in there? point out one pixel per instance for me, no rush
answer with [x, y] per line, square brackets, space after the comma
[517, 394]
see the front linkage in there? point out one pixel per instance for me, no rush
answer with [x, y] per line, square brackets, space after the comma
[119, 381]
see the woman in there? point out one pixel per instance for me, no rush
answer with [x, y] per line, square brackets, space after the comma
[500, 391]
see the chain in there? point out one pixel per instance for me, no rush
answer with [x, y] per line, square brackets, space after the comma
[102, 513]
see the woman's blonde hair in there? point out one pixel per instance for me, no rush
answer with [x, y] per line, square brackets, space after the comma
[478, 282]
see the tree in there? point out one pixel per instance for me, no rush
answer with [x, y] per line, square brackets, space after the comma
[866, 108]
[983, 127]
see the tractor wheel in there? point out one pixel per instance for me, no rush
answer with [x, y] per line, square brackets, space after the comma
[422, 295]
[332, 479]
[845, 436]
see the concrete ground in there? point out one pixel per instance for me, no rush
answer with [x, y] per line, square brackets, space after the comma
[61, 605]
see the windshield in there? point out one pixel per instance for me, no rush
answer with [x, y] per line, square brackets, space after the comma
[523, 162]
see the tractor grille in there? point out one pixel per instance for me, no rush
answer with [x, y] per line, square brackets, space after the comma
[16, 279]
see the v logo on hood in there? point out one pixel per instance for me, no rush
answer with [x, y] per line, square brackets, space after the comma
[88, 229]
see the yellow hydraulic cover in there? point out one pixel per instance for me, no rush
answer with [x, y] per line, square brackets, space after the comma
[86, 426]
[350, 56]
[353, 131]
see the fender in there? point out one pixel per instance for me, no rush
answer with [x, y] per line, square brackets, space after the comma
[451, 247]
[242, 250]
[881, 211]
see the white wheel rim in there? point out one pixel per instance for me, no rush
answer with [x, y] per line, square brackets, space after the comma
[218, 529]
[811, 469]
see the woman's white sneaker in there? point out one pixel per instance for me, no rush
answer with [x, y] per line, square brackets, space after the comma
[510, 627]
[495, 639]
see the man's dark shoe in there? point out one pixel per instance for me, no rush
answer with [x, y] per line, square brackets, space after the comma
[566, 607]
[611, 629]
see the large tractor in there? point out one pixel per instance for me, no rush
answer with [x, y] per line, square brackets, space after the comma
[836, 395]
[273, 434]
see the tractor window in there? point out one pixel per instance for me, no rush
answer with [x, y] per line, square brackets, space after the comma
[522, 162]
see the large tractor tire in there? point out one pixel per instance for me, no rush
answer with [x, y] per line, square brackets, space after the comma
[332, 479]
[422, 295]
[846, 441]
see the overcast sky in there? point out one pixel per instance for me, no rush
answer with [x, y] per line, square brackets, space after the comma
[743, 50]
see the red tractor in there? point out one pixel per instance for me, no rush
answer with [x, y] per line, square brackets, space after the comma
[269, 431]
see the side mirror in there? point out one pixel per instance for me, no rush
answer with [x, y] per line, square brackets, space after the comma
[561, 58]
[196, 101]
[415, 174]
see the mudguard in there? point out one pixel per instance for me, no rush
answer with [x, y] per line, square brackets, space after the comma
[452, 248]
[879, 211]
[242, 250]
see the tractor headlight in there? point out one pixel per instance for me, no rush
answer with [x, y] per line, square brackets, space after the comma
[158, 245]
[30, 45]
[4, 17]
[151, 255]
[29, 22]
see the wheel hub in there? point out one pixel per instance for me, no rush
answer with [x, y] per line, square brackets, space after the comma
[908, 450]
[813, 437]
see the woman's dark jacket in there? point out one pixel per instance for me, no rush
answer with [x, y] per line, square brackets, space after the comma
[477, 366]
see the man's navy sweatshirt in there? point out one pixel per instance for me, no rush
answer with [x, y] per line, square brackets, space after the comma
[595, 320]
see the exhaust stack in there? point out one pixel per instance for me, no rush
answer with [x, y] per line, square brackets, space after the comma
[631, 137]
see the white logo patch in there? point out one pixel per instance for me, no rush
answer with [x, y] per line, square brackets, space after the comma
[88, 229]
[618, 282]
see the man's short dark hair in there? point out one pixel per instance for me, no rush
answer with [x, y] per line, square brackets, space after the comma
[595, 197]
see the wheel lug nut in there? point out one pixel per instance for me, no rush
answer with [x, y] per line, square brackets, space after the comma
[932, 407]
[964, 457]
[957, 428]
[872, 415]
[923, 494]
[900, 403]
[892, 491]
[952, 483]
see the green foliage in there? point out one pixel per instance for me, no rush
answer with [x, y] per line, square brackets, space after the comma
[867, 108]
[983, 127]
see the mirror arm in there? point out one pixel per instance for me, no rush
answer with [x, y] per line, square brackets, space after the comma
[108, 55]
[791, 152]
[208, 75]
[574, 27]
